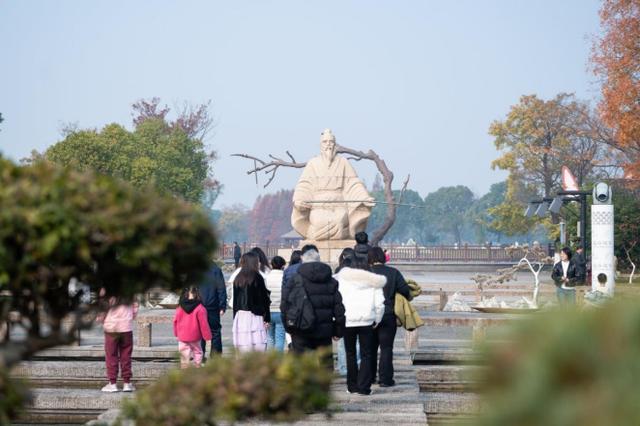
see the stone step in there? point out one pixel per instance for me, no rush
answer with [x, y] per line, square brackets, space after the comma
[445, 355]
[405, 414]
[450, 403]
[96, 352]
[84, 374]
[70, 406]
[366, 418]
[447, 378]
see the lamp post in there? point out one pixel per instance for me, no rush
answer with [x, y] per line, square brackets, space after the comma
[581, 197]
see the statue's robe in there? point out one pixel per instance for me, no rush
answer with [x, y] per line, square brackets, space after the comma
[337, 181]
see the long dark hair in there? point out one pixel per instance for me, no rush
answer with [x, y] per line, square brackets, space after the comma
[296, 257]
[264, 262]
[249, 268]
[353, 261]
[346, 258]
[376, 255]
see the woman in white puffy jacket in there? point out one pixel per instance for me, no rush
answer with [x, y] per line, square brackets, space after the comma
[363, 301]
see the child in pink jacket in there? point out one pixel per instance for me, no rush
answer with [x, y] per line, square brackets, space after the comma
[190, 326]
[117, 324]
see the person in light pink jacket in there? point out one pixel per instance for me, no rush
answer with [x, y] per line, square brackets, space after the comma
[191, 326]
[117, 324]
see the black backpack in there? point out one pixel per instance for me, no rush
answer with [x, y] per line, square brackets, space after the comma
[300, 316]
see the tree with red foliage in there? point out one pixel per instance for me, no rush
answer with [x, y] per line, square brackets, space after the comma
[271, 217]
[616, 60]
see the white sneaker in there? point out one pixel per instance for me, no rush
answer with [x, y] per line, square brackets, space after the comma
[128, 387]
[110, 387]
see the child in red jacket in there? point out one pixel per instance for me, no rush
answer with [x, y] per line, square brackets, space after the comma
[190, 326]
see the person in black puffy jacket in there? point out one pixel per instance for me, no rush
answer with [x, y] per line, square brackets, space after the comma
[322, 290]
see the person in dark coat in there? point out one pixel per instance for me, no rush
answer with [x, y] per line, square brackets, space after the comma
[581, 265]
[385, 332]
[213, 294]
[322, 291]
[251, 306]
[564, 276]
[237, 254]
[362, 246]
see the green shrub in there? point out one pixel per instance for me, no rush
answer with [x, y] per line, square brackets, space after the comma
[566, 368]
[59, 225]
[269, 386]
[13, 395]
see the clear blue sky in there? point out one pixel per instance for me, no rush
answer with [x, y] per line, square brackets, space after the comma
[418, 81]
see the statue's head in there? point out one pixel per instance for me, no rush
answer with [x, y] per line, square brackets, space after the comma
[327, 145]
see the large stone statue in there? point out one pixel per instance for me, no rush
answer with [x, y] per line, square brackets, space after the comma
[330, 202]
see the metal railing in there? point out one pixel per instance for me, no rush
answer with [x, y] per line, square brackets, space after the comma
[403, 253]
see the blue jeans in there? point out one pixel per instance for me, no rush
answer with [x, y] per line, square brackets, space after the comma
[275, 337]
[566, 297]
[342, 357]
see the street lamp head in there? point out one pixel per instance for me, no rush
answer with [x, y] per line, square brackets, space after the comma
[530, 210]
[556, 205]
[542, 209]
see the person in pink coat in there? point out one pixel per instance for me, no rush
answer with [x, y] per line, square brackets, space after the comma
[190, 326]
[117, 324]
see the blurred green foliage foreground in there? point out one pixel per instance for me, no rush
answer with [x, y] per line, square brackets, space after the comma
[566, 368]
[269, 386]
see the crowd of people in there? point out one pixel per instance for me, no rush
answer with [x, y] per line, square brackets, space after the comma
[299, 306]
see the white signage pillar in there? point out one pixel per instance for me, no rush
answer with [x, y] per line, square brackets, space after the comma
[602, 247]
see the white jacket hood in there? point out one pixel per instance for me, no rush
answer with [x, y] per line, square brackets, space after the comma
[360, 278]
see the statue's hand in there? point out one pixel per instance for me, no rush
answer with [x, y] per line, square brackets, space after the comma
[371, 202]
[302, 205]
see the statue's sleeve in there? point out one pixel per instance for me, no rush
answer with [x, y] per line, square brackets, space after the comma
[305, 186]
[303, 192]
[354, 189]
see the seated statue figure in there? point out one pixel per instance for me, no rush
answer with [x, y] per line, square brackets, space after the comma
[330, 202]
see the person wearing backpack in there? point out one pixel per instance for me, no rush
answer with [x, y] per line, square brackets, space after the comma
[311, 306]
[363, 298]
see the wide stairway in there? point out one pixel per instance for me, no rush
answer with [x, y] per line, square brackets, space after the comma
[66, 385]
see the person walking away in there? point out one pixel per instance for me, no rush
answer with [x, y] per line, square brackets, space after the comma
[264, 262]
[117, 324]
[564, 276]
[314, 283]
[363, 300]
[362, 246]
[385, 333]
[276, 332]
[213, 294]
[237, 253]
[263, 268]
[294, 263]
[251, 306]
[581, 266]
[190, 326]
[347, 253]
